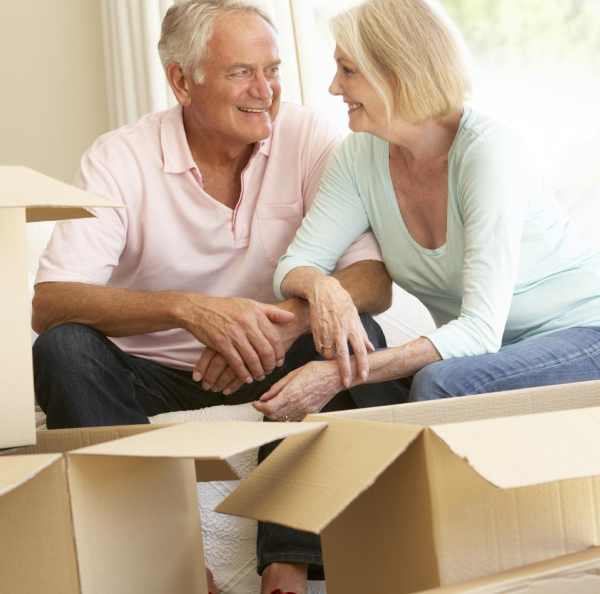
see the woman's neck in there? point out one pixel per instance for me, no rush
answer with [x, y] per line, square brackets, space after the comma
[424, 142]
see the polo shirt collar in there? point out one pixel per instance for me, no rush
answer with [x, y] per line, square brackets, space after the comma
[177, 156]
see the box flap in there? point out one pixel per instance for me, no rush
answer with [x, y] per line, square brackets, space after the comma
[45, 198]
[529, 450]
[17, 470]
[52, 441]
[576, 573]
[308, 481]
[210, 444]
[482, 406]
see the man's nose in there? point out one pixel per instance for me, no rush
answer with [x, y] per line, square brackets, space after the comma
[261, 87]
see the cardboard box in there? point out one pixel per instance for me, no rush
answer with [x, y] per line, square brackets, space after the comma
[25, 196]
[118, 517]
[578, 573]
[402, 507]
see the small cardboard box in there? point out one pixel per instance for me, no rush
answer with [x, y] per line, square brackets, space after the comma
[118, 517]
[577, 573]
[25, 196]
[411, 504]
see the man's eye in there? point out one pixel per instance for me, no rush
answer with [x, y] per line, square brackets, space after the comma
[241, 73]
[274, 71]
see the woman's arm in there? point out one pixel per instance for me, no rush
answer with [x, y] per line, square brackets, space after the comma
[309, 388]
[335, 220]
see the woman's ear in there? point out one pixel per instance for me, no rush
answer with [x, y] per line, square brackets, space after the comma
[179, 84]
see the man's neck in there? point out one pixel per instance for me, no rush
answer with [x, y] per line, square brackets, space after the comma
[213, 150]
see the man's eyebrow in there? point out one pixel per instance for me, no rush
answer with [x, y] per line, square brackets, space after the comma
[251, 67]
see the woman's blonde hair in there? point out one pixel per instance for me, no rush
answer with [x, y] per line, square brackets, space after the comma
[410, 52]
[187, 29]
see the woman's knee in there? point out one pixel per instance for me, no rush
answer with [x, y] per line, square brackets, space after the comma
[434, 381]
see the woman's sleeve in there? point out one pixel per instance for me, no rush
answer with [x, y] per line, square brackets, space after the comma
[493, 188]
[335, 220]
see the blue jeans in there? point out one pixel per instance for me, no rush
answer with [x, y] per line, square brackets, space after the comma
[82, 379]
[565, 356]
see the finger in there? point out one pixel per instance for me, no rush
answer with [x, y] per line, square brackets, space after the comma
[226, 378]
[272, 335]
[214, 370]
[233, 387]
[264, 349]
[276, 388]
[203, 363]
[343, 361]
[277, 314]
[360, 353]
[250, 357]
[236, 361]
[270, 410]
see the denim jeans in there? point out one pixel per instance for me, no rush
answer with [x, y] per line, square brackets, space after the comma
[564, 356]
[83, 380]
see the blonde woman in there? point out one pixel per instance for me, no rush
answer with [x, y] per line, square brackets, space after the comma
[463, 221]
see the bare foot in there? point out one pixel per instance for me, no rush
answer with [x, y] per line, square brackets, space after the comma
[284, 578]
[210, 581]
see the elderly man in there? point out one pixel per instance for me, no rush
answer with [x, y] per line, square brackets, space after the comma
[140, 304]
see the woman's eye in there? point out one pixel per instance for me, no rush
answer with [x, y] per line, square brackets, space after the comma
[347, 71]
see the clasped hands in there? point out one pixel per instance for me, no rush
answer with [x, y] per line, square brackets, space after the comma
[246, 340]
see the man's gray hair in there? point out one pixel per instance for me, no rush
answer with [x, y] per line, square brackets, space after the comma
[187, 29]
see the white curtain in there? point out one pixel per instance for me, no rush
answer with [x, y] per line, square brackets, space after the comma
[135, 79]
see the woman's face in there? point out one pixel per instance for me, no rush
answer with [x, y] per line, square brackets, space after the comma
[366, 110]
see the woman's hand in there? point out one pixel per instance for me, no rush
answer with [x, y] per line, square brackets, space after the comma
[301, 392]
[335, 323]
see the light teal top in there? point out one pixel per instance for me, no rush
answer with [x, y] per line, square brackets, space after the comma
[512, 267]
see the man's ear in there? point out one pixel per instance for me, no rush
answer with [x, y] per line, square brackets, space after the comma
[179, 84]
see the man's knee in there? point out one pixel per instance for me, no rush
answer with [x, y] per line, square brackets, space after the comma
[64, 346]
[374, 331]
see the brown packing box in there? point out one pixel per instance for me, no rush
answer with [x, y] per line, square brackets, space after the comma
[25, 196]
[411, 504]
[577, 573]
[117, 512]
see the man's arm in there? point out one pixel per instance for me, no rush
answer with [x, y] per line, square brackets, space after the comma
[367, 282]
[243, 330]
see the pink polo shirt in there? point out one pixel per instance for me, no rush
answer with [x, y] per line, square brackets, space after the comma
[172, 235]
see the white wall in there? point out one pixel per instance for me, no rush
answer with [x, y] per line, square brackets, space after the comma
[53, 94]
[52, 90]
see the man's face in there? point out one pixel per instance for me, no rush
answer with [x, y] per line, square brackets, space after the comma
[239, 96]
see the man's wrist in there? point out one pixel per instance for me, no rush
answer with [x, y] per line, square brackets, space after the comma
[301, 322]
[178, 308]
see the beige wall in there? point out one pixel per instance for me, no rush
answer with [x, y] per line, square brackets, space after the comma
[52, 90]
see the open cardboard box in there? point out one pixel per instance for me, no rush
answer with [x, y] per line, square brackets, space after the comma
[577, 573]
[25, 196]
[114, 510]
[410, 504]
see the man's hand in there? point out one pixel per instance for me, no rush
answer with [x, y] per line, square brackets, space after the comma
[241, 330]
[218, 376]
[301, 392]
[335, 323]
